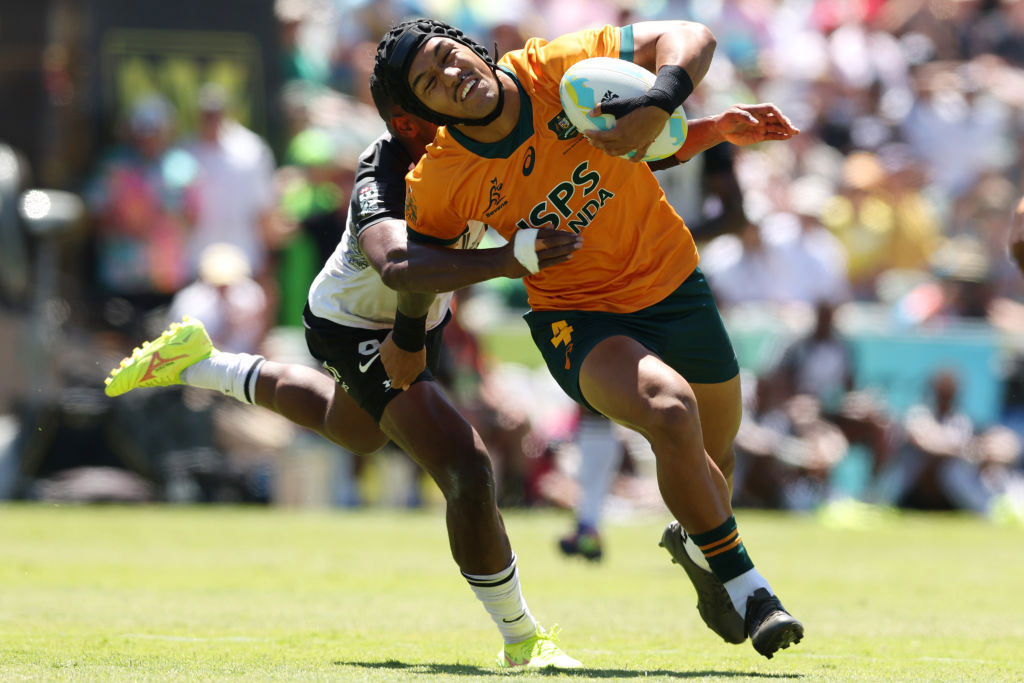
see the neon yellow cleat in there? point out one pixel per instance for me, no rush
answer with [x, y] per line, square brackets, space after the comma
[538, 652]
[159, 363]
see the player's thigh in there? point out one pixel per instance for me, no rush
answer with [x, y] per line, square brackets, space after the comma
[352, 427]
[425, 424]
[352, 356]
[721, 408]
[626, 381]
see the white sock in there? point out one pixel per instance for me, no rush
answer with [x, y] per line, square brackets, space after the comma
[233, 374]
[503, 599]
[695, 553]
[743, 586]
[600, 457]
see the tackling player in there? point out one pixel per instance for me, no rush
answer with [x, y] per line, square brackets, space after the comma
[351, 307]
[628, 327]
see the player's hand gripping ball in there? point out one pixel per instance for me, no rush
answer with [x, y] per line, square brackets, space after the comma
[589, 82]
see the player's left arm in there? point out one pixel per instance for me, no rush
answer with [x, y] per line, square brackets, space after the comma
[680, 53]
[740, 124]
[404, 351]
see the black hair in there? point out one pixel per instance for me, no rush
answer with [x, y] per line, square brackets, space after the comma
[390, 79]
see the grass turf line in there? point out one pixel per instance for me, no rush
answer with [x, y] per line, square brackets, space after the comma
[221, 593]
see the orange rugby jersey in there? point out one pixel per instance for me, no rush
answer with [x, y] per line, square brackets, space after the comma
[636, 249]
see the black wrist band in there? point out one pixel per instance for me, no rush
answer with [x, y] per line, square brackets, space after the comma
[409, 334]
[671, 88]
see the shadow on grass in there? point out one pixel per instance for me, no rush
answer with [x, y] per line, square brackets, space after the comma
[470, 670]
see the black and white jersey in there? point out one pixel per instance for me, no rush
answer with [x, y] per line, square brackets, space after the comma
[348, 291]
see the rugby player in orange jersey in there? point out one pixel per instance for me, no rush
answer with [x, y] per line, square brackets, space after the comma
[628, 326]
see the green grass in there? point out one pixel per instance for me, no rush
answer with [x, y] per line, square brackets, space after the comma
[163, 593]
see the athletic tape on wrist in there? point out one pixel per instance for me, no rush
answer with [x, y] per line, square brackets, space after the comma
[409, 334]
[671, 87]
[525, 249]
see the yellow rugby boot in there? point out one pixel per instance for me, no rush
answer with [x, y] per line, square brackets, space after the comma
[159, 363]
[537, 652]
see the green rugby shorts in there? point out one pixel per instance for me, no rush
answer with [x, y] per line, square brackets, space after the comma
[684, 329]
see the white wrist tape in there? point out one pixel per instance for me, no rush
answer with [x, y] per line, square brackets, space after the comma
[525, 248]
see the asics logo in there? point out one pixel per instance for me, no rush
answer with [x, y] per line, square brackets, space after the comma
[156, 361]
[531, 157]
[363, 367]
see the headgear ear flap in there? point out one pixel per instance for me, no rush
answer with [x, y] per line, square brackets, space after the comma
[395, 53]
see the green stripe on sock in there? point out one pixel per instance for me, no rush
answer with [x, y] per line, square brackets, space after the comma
[731, 563]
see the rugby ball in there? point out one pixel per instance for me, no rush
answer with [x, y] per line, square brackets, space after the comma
[597, 79]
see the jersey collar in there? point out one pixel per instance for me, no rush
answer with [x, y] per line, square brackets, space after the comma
[503, 149]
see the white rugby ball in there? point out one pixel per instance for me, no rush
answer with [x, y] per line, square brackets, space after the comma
[592, 81]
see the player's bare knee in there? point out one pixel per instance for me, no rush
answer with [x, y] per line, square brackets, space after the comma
[673, 421]
[468, 481]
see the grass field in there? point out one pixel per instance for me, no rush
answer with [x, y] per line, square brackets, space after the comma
[163, 593]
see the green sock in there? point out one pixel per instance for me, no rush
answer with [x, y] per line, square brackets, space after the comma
[724, 550]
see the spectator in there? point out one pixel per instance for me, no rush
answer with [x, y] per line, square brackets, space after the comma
[961, 288]
[946, 465]
[810, 450]
[959, 133]
[601, 456]
[770, 263]
[225, 297]
[298, 62]
[1016, 238]
[917, 227]
[932, 470]
[785, 450]
[862, 219]
[236, 201]
[1001, 495]
[812, 248]
[820, 364]
[313, 187]
[14, 272]
[982, 216]
[706, 193]
[758, 477]
[144, 200]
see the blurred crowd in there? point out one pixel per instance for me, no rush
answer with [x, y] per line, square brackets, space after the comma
[896, 197]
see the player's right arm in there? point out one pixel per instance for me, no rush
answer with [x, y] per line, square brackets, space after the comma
[680, 53]
[419, 271]
[409, 266]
